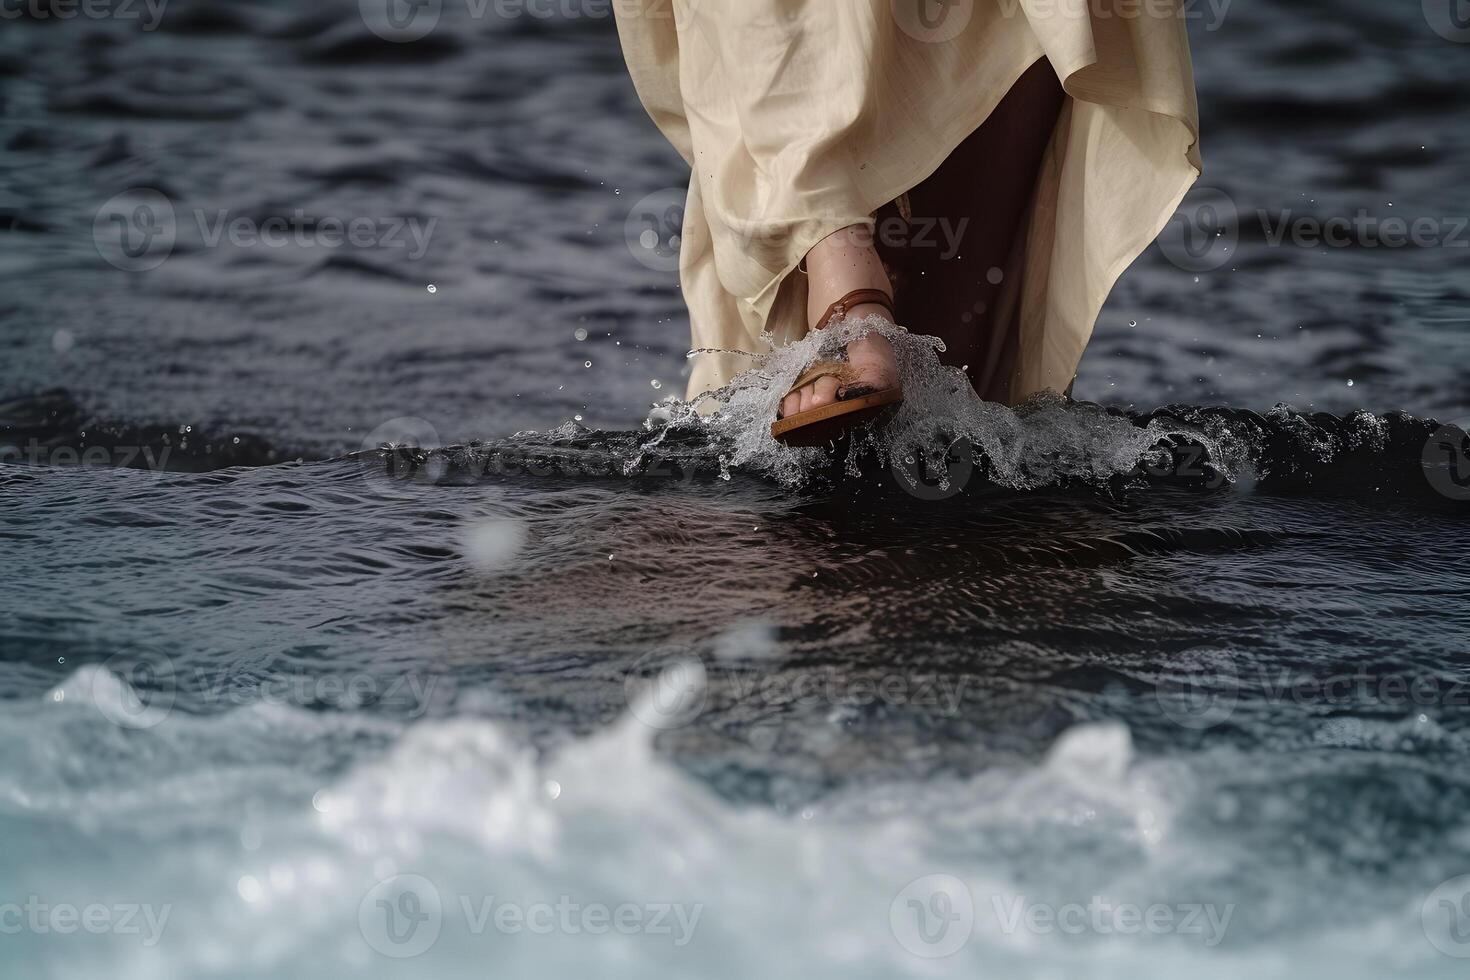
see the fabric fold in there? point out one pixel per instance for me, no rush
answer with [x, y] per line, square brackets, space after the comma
[800, 117]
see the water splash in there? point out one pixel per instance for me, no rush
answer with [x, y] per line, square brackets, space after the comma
[1041, 443]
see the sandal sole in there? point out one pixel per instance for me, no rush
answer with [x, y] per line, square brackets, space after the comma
[825, 425]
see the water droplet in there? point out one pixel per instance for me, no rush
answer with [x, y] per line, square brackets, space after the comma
[236, 440]
[1350, 382]
[433, 288]
[553, 788]
[494, 544]
[250, 888]
[580, 333]
[656, 383]
[586, 364]
[1132, 323]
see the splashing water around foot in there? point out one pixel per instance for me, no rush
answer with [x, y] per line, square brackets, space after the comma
[942, 427]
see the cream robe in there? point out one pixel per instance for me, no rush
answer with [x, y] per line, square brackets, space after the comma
[800, 117]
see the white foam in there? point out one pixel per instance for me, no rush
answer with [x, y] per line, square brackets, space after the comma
[467, 807]
[1036, 445]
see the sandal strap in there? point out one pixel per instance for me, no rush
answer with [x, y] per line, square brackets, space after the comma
[822, 369]
[858, 297]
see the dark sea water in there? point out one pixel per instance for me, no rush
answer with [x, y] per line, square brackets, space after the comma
[358, 629]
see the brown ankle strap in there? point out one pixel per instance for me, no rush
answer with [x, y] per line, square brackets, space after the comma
[858, 297]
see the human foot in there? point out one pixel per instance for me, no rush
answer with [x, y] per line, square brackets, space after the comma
[838, 266]
[831, 397]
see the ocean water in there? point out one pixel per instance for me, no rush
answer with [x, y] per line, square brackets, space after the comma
[356, 628]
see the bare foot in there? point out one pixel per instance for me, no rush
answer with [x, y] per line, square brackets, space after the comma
[839, 264]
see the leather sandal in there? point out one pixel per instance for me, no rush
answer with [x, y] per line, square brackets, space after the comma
[856, 402]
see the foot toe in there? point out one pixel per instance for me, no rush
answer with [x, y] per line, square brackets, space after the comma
[824, 392]
[791, 404]
[808, 393]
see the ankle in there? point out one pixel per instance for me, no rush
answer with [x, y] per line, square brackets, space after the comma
[839, 264]
[866, 310]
